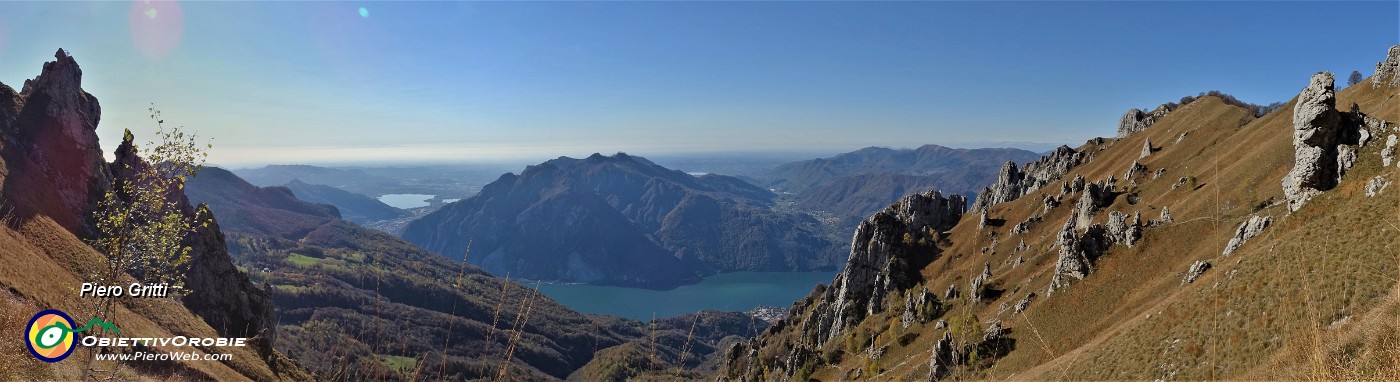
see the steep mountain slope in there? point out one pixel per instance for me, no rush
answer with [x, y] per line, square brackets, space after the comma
[360, 304]
[854, 185]
[53, 176]
[622, 220]
[350, 292]
[356, 208]
[1168, 253]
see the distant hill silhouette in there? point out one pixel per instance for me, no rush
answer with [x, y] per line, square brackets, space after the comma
[623, 220]
[854, 185]
[359, 209]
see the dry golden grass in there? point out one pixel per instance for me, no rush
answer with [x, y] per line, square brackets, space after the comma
[1315, 297]
[41, 269]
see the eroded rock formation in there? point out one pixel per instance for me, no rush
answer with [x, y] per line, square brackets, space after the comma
[1376, 185]
[1388, 70]
[1325, 141]
[1247, 230]
[1136, 120]
[1197, 269]
[887, 252]
[1013, 183]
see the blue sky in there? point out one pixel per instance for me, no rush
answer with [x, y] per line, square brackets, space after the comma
[319, 82]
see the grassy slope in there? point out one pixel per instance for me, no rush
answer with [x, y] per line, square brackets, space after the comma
[1132, 318]
[38, 271]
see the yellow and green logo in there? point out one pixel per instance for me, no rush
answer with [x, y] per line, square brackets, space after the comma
[50, 335]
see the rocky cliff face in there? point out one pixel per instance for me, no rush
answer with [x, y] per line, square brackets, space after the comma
[50, 144]
[1012, 183]
[56, 169]
[887, 252]
[1388, 70]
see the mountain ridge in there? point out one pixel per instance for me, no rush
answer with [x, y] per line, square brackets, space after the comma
[1089, 276]
[676, 226]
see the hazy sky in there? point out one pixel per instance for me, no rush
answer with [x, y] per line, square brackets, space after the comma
[318, 82]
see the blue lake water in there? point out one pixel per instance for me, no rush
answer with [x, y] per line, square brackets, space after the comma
[737, 291]
[406, 201]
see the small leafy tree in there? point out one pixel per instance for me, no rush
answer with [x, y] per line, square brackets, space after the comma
[1355, 78]
[141, 221]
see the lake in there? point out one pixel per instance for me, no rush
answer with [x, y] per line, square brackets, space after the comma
[736, 291]
[406, 201]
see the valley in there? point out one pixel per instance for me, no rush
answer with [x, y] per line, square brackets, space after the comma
[698, 191]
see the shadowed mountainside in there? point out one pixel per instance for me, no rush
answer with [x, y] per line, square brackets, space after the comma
[622, 220]
[361, 304]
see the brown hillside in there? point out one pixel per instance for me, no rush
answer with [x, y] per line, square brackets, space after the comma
[1314, 296]
[51, 169]
[40, 268]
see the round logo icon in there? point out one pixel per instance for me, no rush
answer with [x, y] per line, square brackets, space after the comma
[50, 336]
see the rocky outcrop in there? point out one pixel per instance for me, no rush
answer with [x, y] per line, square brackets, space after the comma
[919, 306]
[218, 292]
[1094, 197]
[1136, 120]
[1376, 185]
[1325, 141]
[1388, 153]
[1166, 216]
[50, 145]
[947, 354]
[1315, 124]
[57, 169]
[1077, 254]
[977, 286]
[1013, 183]
[1134, 170]
[1023, 303]
[1123, 231]
[1195, 271]
[1388, 70]
[1247, 230]
[941, 362]
[887, 252]
[1008, 187]
[1081, 242]
[1146, 148]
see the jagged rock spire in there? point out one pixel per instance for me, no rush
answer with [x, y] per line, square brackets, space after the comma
[1388, 70]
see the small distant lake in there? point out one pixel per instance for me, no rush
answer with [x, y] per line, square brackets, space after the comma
[406, 201]
[737, 291]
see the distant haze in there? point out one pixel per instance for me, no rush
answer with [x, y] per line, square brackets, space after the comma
[324, 83]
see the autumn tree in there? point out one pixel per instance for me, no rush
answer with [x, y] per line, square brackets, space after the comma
[141, 221]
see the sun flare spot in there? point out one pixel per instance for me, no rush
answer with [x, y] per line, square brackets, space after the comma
[364, 12]
[156, 27]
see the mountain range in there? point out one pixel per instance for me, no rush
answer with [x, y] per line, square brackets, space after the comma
[622, 220]
[854, 185]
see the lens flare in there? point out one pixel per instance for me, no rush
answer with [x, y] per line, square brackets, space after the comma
[364, 12]
[156, 27]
